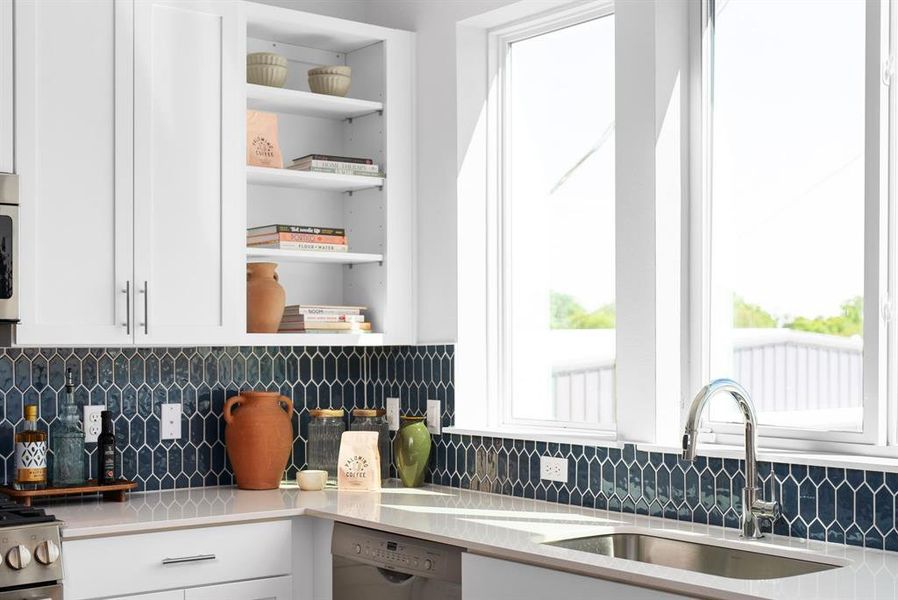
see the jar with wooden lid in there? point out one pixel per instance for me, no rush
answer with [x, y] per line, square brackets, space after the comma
[326, 427]
[375, 419]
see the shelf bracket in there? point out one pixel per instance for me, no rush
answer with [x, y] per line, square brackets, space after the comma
[349, 192]
[349, 265]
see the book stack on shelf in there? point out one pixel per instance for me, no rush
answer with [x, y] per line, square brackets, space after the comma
[323, 318]
[340, 165]
[297, 237]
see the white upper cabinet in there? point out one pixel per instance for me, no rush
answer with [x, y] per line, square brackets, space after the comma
[187, 167]
[6, 88]
[73, 151]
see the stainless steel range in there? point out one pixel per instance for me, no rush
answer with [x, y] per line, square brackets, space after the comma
[31, 566]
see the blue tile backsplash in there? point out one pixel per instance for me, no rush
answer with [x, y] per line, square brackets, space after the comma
[834, 504]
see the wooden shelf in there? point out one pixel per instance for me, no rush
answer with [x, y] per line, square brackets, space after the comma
[314, 339]
[311, 256]
[309, 180]
[280, 100]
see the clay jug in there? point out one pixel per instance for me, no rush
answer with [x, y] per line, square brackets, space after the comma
[264, 298]
[259, 438]
[411, 450]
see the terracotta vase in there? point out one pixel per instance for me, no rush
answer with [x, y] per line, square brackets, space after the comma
[411, 450]
[259, 437]
[265, 298]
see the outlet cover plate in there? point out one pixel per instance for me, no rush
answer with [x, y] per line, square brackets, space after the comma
[553, 469]
[433, 417]
[393, 413]
[171, 422]
[93, 422]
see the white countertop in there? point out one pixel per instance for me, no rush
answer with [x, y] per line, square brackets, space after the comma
[500, 526]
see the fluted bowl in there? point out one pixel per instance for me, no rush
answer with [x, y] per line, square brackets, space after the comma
[333, 80]
[266, 68]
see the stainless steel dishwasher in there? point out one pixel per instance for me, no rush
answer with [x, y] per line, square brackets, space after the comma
[373, 565]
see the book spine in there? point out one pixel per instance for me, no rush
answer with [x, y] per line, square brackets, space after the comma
[297, 237]
[316, 310]
[300, 246]
[341, 318]
[296, 229]
[327, 326]
[339, 166]
[340, 171]
[330, 157]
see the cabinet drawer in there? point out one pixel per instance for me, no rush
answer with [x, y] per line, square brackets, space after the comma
[129, 564]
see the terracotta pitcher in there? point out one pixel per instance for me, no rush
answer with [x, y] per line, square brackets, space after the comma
[265, 298]
[259, 437]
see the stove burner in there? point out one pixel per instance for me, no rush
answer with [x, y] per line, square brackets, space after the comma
[13, 513]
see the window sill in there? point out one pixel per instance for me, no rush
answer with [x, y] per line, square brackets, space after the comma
[579, 437]
[886, 461]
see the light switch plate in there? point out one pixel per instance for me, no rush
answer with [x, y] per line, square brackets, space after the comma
[393, 413]
[171, 422]
[553, 469]
[433, 416]
[93, 422]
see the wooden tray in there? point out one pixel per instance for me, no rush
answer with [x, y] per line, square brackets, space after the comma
[114, 491]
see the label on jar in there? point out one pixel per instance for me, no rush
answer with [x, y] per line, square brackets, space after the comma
[31, 462]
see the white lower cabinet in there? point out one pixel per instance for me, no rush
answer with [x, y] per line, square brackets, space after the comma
[278, 588]
[249, 561]
[485, 578]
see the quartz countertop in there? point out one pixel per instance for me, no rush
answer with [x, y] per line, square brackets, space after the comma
[499, 526]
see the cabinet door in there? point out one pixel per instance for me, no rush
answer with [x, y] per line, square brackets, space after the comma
[486, 578]
[73, 99]
[173, 595]
[188, 160]
[6, 88]
[275, 588]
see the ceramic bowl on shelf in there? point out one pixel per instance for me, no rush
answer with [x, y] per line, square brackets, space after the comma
[266, 68]
[332, 80]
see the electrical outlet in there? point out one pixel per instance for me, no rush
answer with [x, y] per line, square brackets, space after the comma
[93, 422]
[433, 416]
[393, 413]
[553, 469]
[171, 422]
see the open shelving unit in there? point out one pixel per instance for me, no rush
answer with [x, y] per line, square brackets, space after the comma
[311, 256]
[373, 121]
[298, 102]
[310, 180]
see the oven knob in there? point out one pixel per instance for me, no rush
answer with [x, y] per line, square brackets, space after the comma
[358, 548]
[46, 552]
[18, 557]
[428, 564]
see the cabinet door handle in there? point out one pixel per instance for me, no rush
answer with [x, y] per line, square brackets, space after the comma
[187, 559]
[127, 292]
[146, 303]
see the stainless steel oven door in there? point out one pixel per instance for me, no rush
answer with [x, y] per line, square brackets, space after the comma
[48, 592]
[9, 263]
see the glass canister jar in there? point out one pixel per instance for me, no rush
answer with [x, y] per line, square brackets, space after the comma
[375, 419]
[325, 430]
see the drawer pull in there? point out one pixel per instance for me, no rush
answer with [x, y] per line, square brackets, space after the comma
[187, 559]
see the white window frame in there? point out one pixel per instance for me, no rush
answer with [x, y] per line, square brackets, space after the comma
[499, 269]
[879, 241]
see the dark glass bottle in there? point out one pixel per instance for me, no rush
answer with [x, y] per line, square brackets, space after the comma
[106, 451]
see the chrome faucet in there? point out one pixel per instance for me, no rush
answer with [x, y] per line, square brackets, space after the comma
[754, 509]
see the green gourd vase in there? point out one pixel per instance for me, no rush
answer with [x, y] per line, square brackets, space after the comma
[412, 451]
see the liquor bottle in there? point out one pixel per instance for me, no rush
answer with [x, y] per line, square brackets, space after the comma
[106, 451]
[31, 453]
[67, 441]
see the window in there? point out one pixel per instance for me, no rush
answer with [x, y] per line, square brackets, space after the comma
[794, 209]
[556, 222]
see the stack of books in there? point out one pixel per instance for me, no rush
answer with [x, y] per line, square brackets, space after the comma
[297, 237]
[341, 165]
[323, 318]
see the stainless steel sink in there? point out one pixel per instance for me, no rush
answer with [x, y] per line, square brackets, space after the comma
[694, 556]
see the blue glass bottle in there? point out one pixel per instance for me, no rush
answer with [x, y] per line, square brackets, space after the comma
[67, 440]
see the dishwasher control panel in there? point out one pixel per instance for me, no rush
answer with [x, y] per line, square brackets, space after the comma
[396, 552]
